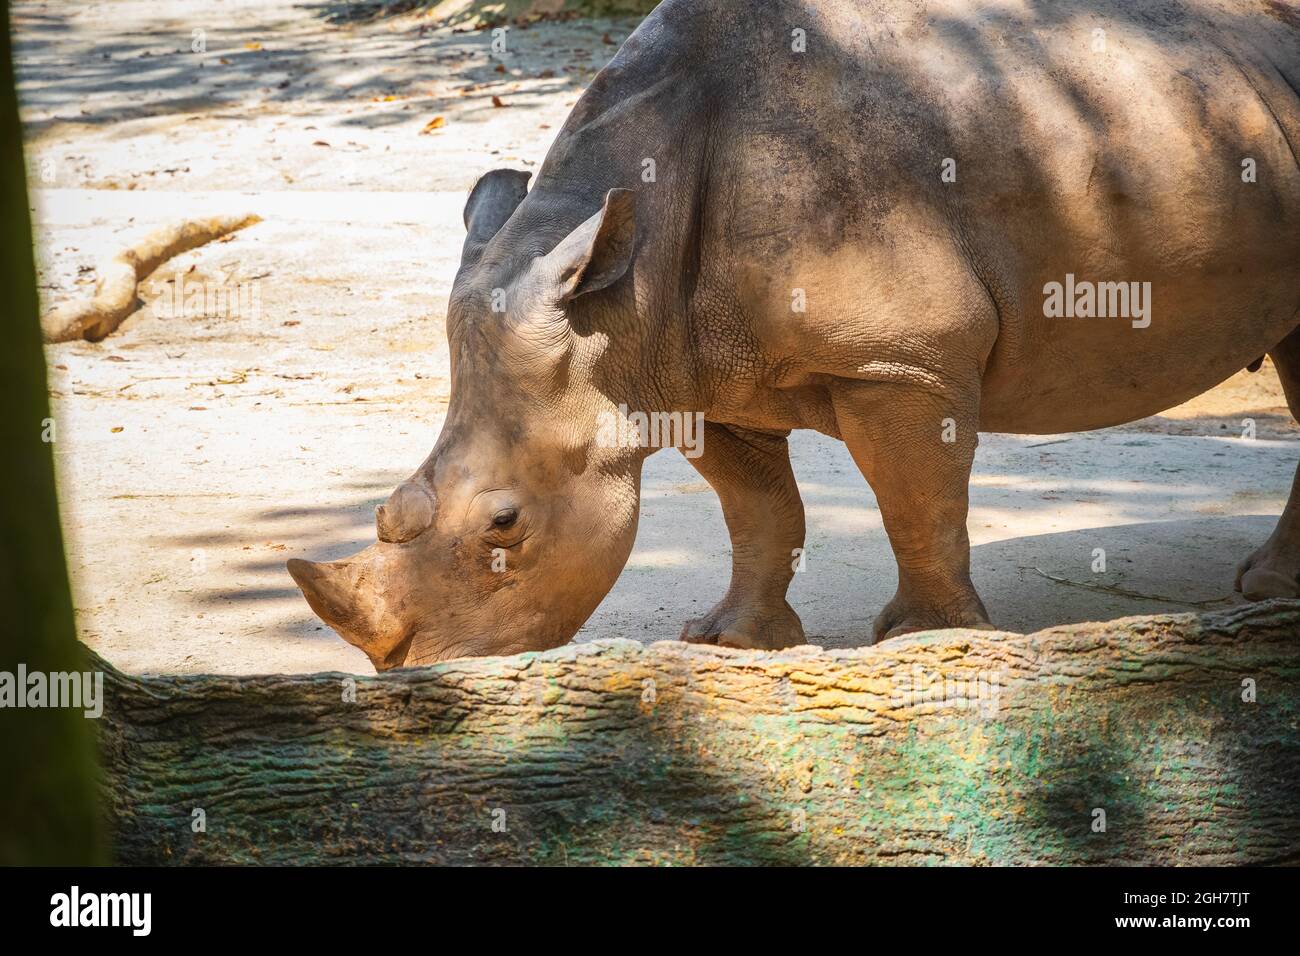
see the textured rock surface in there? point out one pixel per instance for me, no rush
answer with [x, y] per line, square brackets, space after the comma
[621, 753]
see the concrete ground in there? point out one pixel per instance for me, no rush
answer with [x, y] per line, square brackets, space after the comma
[197, 453]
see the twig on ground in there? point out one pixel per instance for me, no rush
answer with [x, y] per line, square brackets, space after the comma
[1125, 592]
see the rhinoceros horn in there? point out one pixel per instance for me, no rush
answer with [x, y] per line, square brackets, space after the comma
[330, 588]
[348, 596]
[406, 514]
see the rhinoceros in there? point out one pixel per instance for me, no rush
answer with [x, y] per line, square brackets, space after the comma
[897, 223]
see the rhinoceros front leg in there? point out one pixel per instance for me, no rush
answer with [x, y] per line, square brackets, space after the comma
[751, 473]
[915, 448]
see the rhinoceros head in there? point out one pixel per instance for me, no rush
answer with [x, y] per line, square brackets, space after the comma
[520, 520]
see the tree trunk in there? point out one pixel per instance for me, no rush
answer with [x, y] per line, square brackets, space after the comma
[47, 801]
[1165, 739]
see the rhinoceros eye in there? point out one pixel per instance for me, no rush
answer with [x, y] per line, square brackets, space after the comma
[505, 518]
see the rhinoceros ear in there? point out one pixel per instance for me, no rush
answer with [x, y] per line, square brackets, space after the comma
[491, 202]
[598, 252]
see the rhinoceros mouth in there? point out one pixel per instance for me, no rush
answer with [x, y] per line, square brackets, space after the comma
[396, 657]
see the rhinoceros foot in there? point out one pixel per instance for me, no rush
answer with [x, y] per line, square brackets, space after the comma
[732, 624]
[907, 614]
[1271, 572]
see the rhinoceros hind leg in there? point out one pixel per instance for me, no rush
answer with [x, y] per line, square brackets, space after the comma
[750, 471]
[915, 447]
[1274, 569]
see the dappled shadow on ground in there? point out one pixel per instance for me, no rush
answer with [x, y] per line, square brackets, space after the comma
[1169, 542]
[70, 76]
[482, 14]
[1267, 422]
[1172, 515]
[253, 544]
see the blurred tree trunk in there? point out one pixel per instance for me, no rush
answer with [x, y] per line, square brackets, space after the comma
[48, 812]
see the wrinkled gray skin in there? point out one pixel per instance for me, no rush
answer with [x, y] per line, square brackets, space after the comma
[820, 171]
